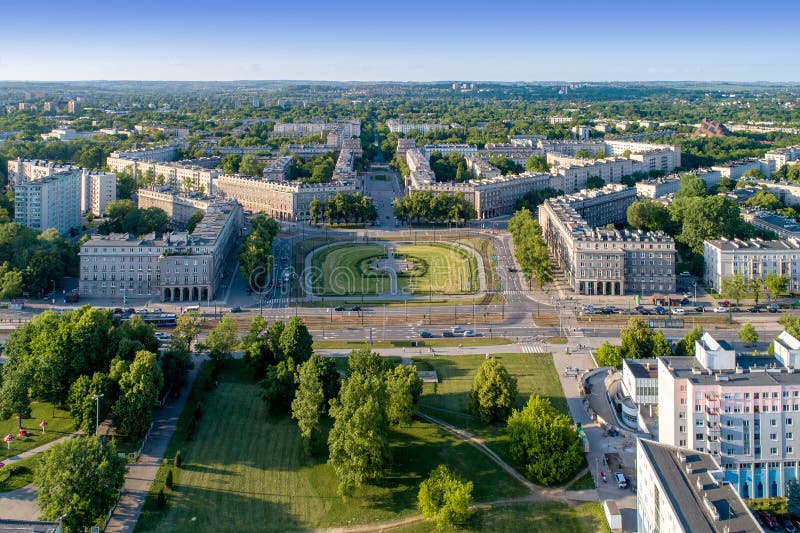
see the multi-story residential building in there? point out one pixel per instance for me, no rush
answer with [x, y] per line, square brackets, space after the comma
[98, 189]
[53, 201]
[788, 193]
[752, 259]
[21, 170]
[345, 169]
[179, 206]
[62, 134]
[640, 381]
[173, 267]
[783, 227]
[599, 260]
[581, 132]
[398, 126]
[167, 152]
[482, 168]
[782, 156]
[683, 491]
[420, 169]
[283, 200]
[466, 150]
[740, 409]
[277, 168]
[736, 169]
[518, 153]
[656, 188]
[404, 145]
[187, 175]
[73, 107]
[559, 120]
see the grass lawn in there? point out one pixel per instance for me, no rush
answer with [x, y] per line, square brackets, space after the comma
[439, 268]
[583, 483]
[57, 426]
[551, 517]
[448, 399]
[246, 471]
[422, 343]
[344, 269]
[17, 475]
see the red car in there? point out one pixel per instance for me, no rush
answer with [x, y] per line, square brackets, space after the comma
[769, 521]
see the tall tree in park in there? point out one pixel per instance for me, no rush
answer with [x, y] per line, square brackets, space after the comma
[83, 409]
[544, 440]
[493, 392]
[296, 342]
[404, 388]
[791, 324]
[609, 355]
[776, 285]
[176, 362]
[187, 325]
[308, 405]
[358, 442]
[78, 481]
[637, 340]
[15, 399]
[256, 346]
[138, 330]
[279, 385]
[748, 334]
[686, 344]
[222, 340]
[661, 347]
[250, 165]
[255, 254]
[649, 215]
[445, 498]
[734, 287]
[366, 363]
[139, 388]
[530, 249]
[274, 334]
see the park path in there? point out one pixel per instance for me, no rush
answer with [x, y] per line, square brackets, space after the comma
[142, 473]
[38, 449]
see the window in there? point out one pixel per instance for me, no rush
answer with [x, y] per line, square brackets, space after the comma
[773, 451]
[773, 436]
[698, 436]
[698, 423]
[789, 449]
[773, 422]
[789, 420]
[789, 435]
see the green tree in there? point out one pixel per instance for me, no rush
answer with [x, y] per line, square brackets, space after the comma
[230, 163]
[793, 498]
[595, 182]
[776, 285]
[404, 388]
[78, 481]
[493, 392]
[250, 165]
[256, 346]
[279, 385]
[193, 221]
[764, 200]
[296, 341]
[609, 355]
[649, 215]
[136, 329]
[756, 287]
[139, 388]
[358, 442]
[691, 186]
[187, 325]
[308, 405]
[686, 344]
[661, 347]
[748, 334]
[637, 340]
[365, 362]
[545, 441]
[11, 284]
[445, 498]
[222, 340]
[15, 399]
[536, 163]
[176, 362]
[82, 407]
[734, 287]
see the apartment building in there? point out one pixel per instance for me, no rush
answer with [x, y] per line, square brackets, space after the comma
[276, 168]
[467, 150]
[53, 201]
[420, 169]
[481, 167]
[739, 409]
[783, 227]
[736, 169]
[167, 152]
[683, 491]
[179, 206]
[782, 156]
[403, 146]
[282, 200]
[518, 153]
[658, 187]
[22, 170]
[399, 126]
[98, 189]
[754, 258]
[601, 260]
[173, 267]
[187, 175]
[345, 169]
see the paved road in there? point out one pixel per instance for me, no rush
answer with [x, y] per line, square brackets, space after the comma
[141, 474]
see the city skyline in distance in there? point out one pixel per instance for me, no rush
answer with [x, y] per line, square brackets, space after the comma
[413, 41]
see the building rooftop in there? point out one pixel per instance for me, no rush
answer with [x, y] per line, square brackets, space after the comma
[693, 483]
[642, 368]
[754, 244]
[749, 371]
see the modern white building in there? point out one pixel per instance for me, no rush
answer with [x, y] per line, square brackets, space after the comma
[399, 126]
[739, 409]
[683, 491]
[736, 169]
[640, 381]
[656, 188]
[754, 258]
[98, 189]
[53, 201]
[782, 156]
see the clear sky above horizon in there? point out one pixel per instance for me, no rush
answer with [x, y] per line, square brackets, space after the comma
[407, 40]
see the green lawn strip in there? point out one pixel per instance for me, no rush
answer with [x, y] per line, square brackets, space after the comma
[344, 270]
[557, 340]
[246, 471]
[422, 343]
[491, 298]
[57, 426]
[584, 482]
[448, 399]
[17, 474]
[443, 269]
[551, 517]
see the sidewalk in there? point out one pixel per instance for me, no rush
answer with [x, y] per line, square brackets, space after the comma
[38, 449]
[141, 474]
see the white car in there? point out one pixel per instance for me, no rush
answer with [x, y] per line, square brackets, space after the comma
[685, 274]
[720, 309]
[678, 311]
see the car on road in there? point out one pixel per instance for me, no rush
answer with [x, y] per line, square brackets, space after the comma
[339, 308]
[736, 309]
[469, 333]
[768, 520]
[685, 274]
[426, 334]
[700, 309]
[720, 309]
[457, 329]
[156, 310]
[678, 311]
[236, 309]
[755, 309]
[659, 310]
[160, 335]
[772, 308]
[447, 333]
[355, 308]
[645, 312]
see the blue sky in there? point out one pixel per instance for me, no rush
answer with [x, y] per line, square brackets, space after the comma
[406, 40]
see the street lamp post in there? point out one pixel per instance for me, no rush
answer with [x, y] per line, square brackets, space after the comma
[54, 291]
[96, 398]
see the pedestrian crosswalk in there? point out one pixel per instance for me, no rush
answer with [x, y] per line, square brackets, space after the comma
[509, 293]
[279, 302]
[533, 348]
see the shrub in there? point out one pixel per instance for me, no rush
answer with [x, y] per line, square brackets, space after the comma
[168, 482]
[161, 502]
[178, 459]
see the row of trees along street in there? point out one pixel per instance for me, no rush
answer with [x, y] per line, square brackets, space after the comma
[343, 208]
[419, 206]
[530, 249]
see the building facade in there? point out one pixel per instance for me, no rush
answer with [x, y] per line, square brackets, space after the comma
[178, 206]
[174, 267]
[398, 126]
[782, 156]
[752, 259]
[98, 189]
[53, 201]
